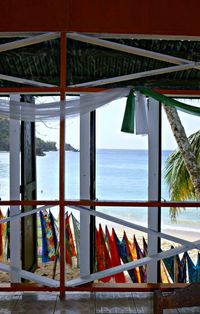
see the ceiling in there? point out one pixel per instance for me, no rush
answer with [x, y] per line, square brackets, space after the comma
[87, 62]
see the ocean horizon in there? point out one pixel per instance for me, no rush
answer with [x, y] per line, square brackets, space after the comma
[121, 174]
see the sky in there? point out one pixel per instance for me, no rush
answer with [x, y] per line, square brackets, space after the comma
[109, 120]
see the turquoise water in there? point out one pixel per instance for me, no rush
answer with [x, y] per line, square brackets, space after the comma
[121, 175]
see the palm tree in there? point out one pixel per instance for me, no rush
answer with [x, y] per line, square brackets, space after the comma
[186, 153]
[182, 170]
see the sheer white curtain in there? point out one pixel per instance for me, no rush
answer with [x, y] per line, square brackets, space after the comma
[52, 110]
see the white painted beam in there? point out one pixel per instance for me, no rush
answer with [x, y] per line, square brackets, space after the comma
[127, 266]
[154, 174]
[128, 49]
[98, 275]
[28, 41]
[18, 34]
[111, 36]
[40, 279]
[31, 276]
[129, 224]
[112, 219]
[24, 81]
[139, 36]
[135, 76]
[5, 268]
[84, 194]
[24, 214]
[15, 226]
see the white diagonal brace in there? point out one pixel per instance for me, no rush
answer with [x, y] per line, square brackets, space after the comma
[127, 266]
[127, 49]
[31, 276]
[39, 279]
[24, 81]
[28, 41]
[5, 268]
[18, 34]
[24, 214]
[140, 36]
[129, 224]
[135, 76]
[110, 218]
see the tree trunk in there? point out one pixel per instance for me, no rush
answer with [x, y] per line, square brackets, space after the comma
[184, 147]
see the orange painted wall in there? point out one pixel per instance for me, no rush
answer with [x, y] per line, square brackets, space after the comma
[164, 17]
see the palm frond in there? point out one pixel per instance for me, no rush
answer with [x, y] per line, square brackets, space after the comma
[177, 177]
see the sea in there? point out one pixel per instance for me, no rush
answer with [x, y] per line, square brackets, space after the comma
[120, 175]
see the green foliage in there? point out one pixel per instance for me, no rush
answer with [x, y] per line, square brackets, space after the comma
[177, 176]
[69, 147]
[41, 146]
[4, 135]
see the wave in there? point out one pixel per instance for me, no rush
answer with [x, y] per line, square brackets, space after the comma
[181, 228]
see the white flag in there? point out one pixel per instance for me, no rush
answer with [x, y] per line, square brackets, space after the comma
[141, 114]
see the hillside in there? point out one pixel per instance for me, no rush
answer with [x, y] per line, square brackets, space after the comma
[4, 135]
[41, 145]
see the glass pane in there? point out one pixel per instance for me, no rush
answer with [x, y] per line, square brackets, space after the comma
[122, 174]
[117, 245]
[47, 150]
[179, 222]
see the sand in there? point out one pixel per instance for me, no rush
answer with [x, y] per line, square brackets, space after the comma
[46, 269]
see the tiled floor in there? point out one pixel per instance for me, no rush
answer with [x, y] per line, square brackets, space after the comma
[82, 303]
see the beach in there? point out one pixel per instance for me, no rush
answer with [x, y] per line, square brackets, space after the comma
[120, 175]
[46, 269]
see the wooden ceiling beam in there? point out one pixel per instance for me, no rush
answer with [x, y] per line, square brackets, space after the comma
[179, 92]
[50, 90]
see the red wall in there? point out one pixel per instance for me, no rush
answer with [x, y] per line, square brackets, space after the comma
[164, 17]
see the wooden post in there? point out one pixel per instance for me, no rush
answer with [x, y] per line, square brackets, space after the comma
[84, 193]
[92, 188]
[15, 226]
[87, 190]
[62, 166]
